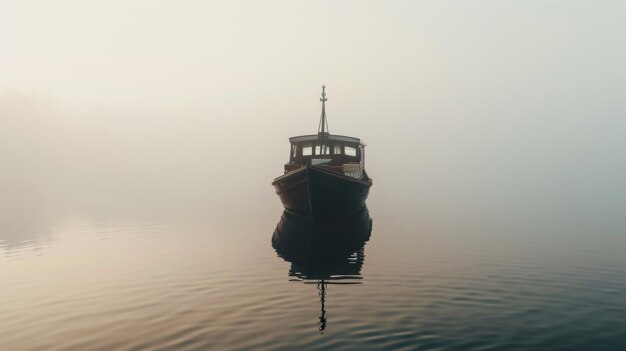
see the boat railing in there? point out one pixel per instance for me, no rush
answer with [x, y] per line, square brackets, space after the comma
[356, 175]
[292, 166]
[353, 170]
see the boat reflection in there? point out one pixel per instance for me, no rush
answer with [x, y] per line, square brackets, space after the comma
[323, 252]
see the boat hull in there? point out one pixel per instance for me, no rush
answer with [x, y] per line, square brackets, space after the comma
[313, 191]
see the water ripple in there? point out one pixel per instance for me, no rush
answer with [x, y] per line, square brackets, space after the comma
[171, 287]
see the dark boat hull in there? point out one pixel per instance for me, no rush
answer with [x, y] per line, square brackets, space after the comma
[313, 191]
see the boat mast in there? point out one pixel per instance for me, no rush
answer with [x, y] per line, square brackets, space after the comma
[322, 129]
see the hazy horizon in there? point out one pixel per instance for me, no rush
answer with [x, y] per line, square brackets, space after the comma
[489, 110]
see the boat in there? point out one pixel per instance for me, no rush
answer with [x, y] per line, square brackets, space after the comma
[325, 176]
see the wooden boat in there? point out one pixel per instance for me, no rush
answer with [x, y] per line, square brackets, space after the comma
[325, 176]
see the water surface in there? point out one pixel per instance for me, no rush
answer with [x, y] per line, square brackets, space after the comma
[104, 281]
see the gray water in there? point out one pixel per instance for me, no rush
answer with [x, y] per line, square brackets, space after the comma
[189, 280]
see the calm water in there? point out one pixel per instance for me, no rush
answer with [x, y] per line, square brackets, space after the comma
[103, 281]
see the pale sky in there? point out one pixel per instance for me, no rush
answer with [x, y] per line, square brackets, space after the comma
[201, 52]
[488, 101]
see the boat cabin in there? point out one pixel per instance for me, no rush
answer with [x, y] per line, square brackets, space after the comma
[338, 153]
[333, 151]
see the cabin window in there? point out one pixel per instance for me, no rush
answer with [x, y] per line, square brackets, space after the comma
[294, 150]
[337, 149]
[307, 150]
[322, 150]
[349, 151]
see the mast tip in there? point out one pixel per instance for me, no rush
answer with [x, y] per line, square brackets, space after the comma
[323, 126]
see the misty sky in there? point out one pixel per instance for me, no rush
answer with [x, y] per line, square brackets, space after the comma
[476, 108]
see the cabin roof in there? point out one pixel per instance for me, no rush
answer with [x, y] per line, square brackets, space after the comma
[316, 137]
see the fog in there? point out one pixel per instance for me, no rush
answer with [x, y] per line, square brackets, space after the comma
[485, 113]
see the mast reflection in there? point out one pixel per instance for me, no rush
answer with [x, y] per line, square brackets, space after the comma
[323, 252]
